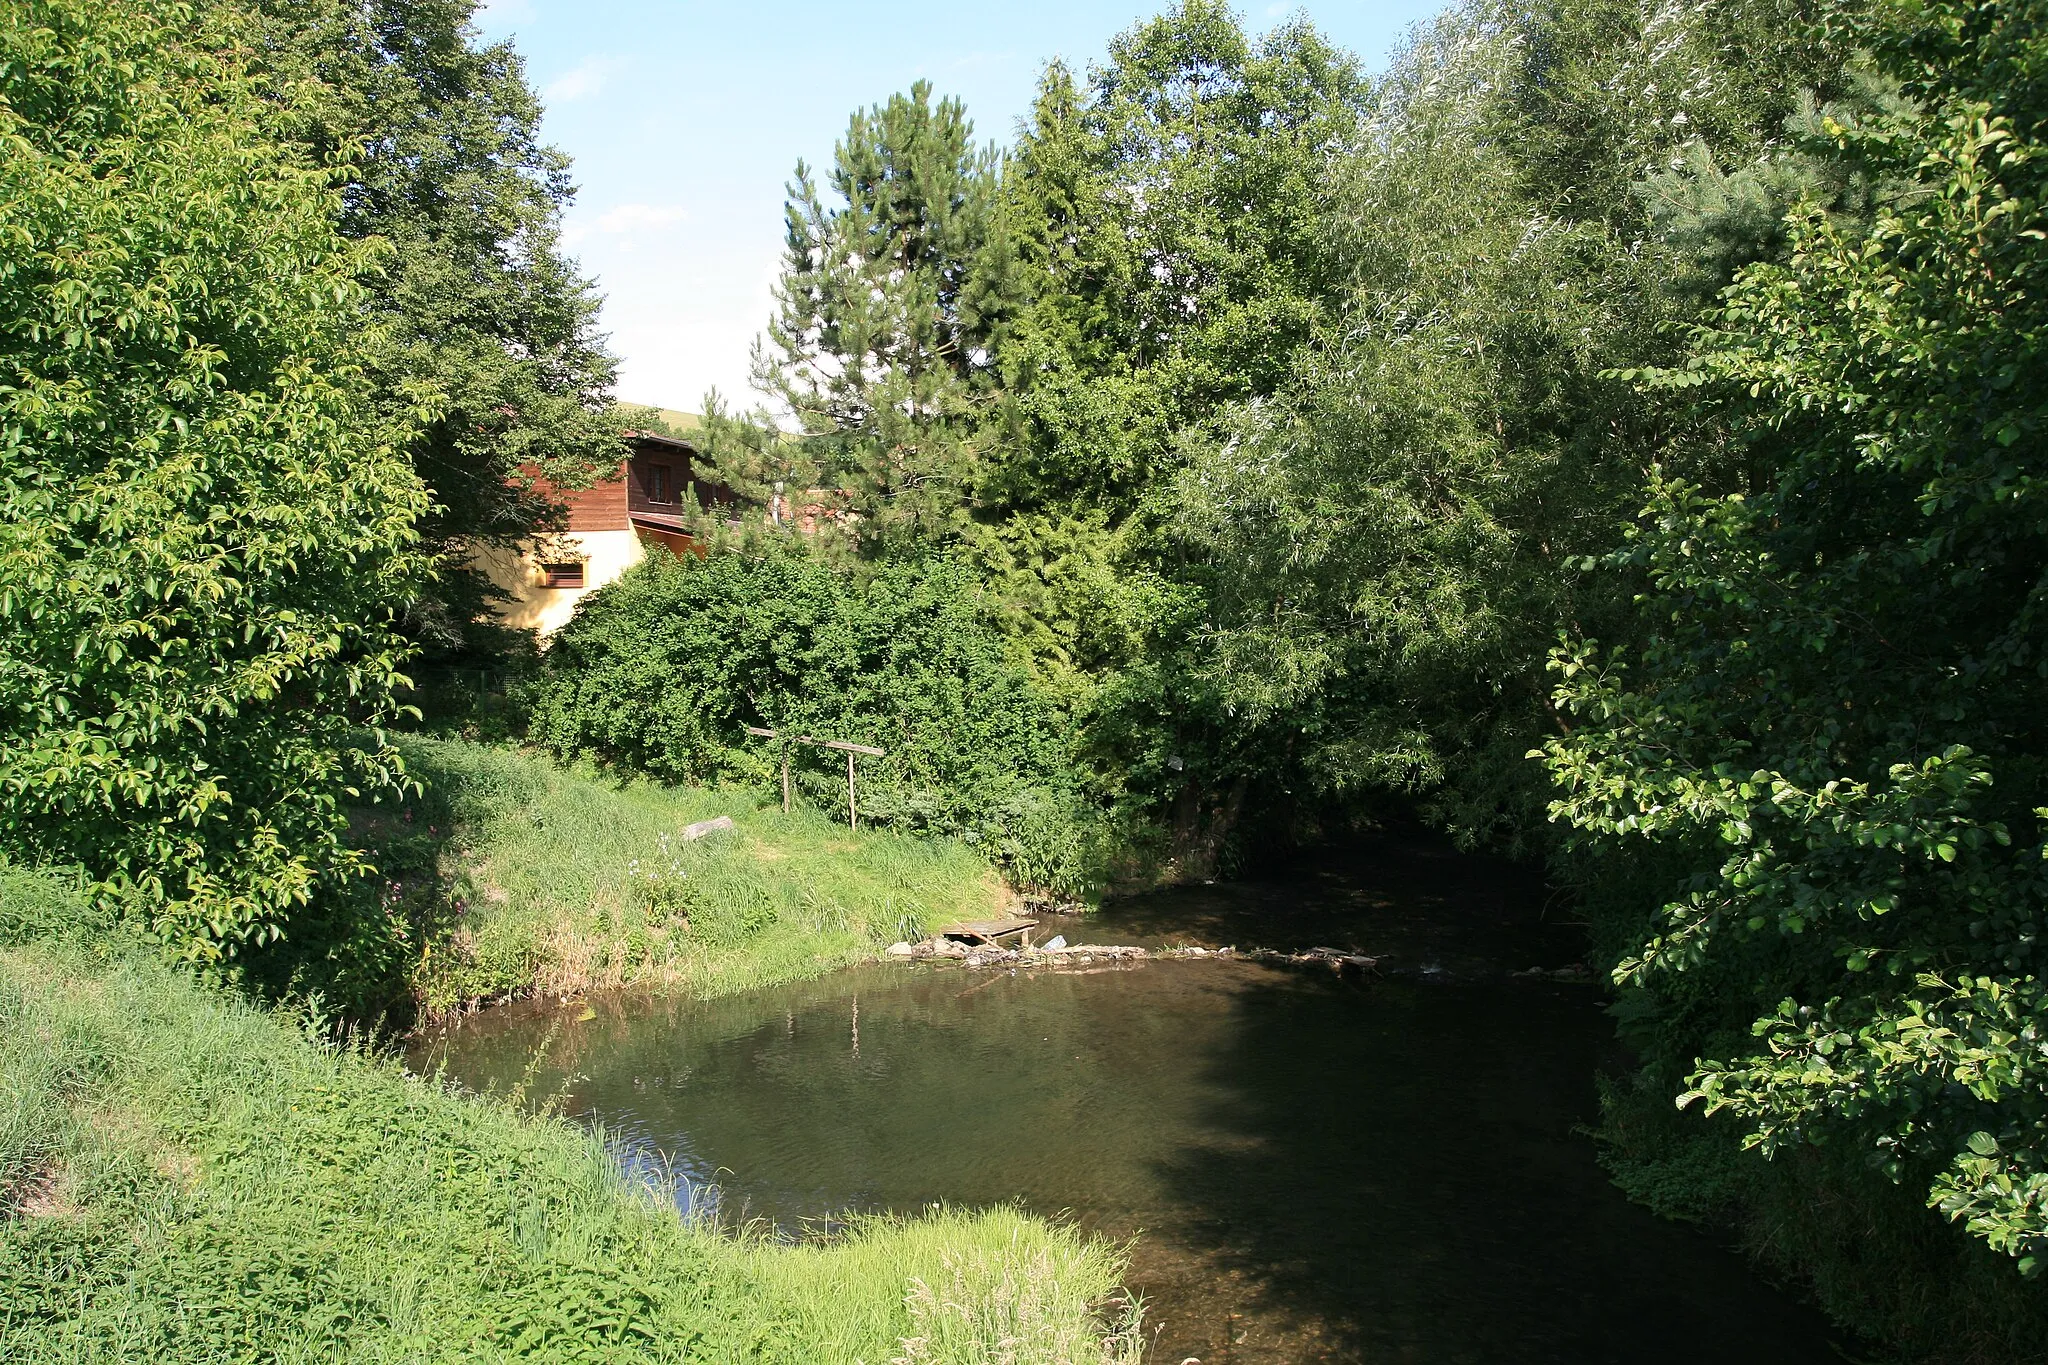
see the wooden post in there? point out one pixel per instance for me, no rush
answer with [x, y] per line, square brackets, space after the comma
[852, 805]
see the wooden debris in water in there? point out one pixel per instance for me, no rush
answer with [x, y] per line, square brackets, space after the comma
[1335, 958]
[952, 945]
[990, 930]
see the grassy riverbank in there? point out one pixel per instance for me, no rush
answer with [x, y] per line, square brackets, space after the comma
[526, 876]
[187, 1176]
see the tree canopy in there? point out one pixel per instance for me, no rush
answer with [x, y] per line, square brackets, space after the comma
[472, 294]
[207, 536]
[1824, 721]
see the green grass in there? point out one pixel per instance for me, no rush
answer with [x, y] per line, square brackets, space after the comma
[560, 880]
[185, 1176]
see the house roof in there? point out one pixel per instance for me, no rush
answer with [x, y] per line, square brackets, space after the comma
[650, 438]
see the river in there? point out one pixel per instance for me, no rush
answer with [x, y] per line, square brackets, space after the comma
[1314, 1168]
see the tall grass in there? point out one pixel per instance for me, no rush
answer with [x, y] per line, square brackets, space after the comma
[555, 879]
[187, 1176]
[982, 1289]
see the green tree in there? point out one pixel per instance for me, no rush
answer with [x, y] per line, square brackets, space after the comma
[474, 297]
[1825, 742]
[206, 535]
[889, 313]
[1170, 216]
[1390, 536]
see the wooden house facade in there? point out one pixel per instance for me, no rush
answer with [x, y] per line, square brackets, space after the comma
[609, 527]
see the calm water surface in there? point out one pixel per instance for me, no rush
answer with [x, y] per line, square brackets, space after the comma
[1316, 1169]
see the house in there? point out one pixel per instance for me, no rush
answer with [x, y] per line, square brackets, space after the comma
[610, 527]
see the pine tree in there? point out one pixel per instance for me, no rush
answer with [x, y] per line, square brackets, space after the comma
[890, 310]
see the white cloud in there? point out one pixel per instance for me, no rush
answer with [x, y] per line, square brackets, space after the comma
[585, 78]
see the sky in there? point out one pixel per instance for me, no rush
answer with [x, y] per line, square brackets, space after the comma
[685, 121]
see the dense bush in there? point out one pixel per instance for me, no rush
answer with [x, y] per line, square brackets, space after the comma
[205, 535]
[664, 670]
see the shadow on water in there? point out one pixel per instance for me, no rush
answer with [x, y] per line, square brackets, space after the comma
[1319, 1169]
[1400, 1178]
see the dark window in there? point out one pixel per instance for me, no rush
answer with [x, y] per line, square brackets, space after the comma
[659, 489]
[561, 575]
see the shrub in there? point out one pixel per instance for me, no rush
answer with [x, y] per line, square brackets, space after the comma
[663, 671]
[204, 534]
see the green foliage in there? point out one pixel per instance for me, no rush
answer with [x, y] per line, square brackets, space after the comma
[205, 534]
[1819, 728]
[1170, 213]
[663, 670]
[1389, 532]
[881, 348]
[473, 294]
[1386, 540]
[1608, 94]
[186, 1177]
[515, 875]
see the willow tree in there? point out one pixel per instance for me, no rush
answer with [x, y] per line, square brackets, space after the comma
[206, 533]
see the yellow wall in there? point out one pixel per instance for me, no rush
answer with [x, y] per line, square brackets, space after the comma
[605, 555]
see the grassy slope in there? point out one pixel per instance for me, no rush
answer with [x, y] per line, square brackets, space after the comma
[185, 1176]
[563, 880]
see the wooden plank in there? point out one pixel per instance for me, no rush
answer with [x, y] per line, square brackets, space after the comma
[843, 746]
[987, 930]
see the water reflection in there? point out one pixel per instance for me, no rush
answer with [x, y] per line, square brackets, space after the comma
[1319, 1170]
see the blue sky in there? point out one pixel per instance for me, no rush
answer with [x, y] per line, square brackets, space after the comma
[686, 119]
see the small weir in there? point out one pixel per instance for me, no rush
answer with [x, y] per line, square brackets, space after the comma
[1382, 1164]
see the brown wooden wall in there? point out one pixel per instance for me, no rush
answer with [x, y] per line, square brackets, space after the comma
[682, 473]
[608, 505]
[600, 507]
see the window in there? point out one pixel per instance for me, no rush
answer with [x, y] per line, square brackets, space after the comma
[561, 575]
[656, 480]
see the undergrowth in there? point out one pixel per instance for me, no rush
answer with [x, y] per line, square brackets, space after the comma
[188, 1176]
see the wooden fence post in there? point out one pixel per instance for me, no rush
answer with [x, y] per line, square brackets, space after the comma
[852, 805]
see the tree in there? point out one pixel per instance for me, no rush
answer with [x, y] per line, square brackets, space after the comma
[889, 312]
[206, 533]
[1391, 533]
[1170, 214]
[474, 296]
[1825, 745]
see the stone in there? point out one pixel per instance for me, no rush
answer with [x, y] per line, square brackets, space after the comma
[901, 950]
[1055, 943]
[691, 833]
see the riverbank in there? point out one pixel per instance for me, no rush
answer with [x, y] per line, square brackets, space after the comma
[525, 877]
[187, 1176]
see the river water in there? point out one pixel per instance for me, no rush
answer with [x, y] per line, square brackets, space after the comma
[1315, 1168]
